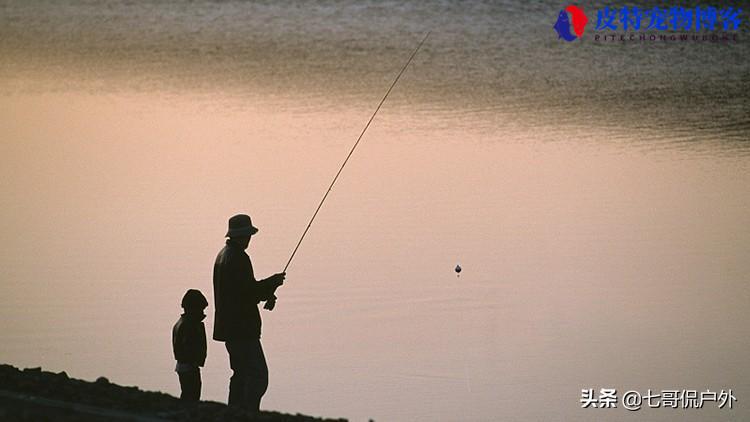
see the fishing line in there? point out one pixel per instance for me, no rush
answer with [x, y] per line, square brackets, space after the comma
[352, 150]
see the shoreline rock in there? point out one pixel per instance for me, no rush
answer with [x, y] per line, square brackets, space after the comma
[32, 394]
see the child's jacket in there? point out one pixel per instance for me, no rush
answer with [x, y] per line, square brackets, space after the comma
[189, 339]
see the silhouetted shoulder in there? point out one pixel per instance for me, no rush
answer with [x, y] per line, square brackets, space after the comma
[231, 254]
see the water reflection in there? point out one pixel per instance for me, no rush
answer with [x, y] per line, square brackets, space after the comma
[596, 197]
[574, 248]
[344, 53]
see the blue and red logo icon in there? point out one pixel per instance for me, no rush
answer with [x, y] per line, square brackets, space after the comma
[577, 18]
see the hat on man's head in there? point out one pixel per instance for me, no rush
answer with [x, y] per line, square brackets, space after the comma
[194, 299]
[241, 225]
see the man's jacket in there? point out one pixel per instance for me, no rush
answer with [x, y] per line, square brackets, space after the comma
[189, 339]
[237, 294]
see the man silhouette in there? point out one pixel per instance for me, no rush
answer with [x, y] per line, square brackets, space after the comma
[237, 319]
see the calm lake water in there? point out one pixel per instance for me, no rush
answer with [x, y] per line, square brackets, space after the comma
[595, 194]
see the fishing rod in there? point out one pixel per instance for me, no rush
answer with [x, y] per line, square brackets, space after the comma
[353, 148]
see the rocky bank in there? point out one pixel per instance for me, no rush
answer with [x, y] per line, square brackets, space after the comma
[36, 395]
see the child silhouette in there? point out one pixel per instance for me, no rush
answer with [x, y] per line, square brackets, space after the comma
[189, 344]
